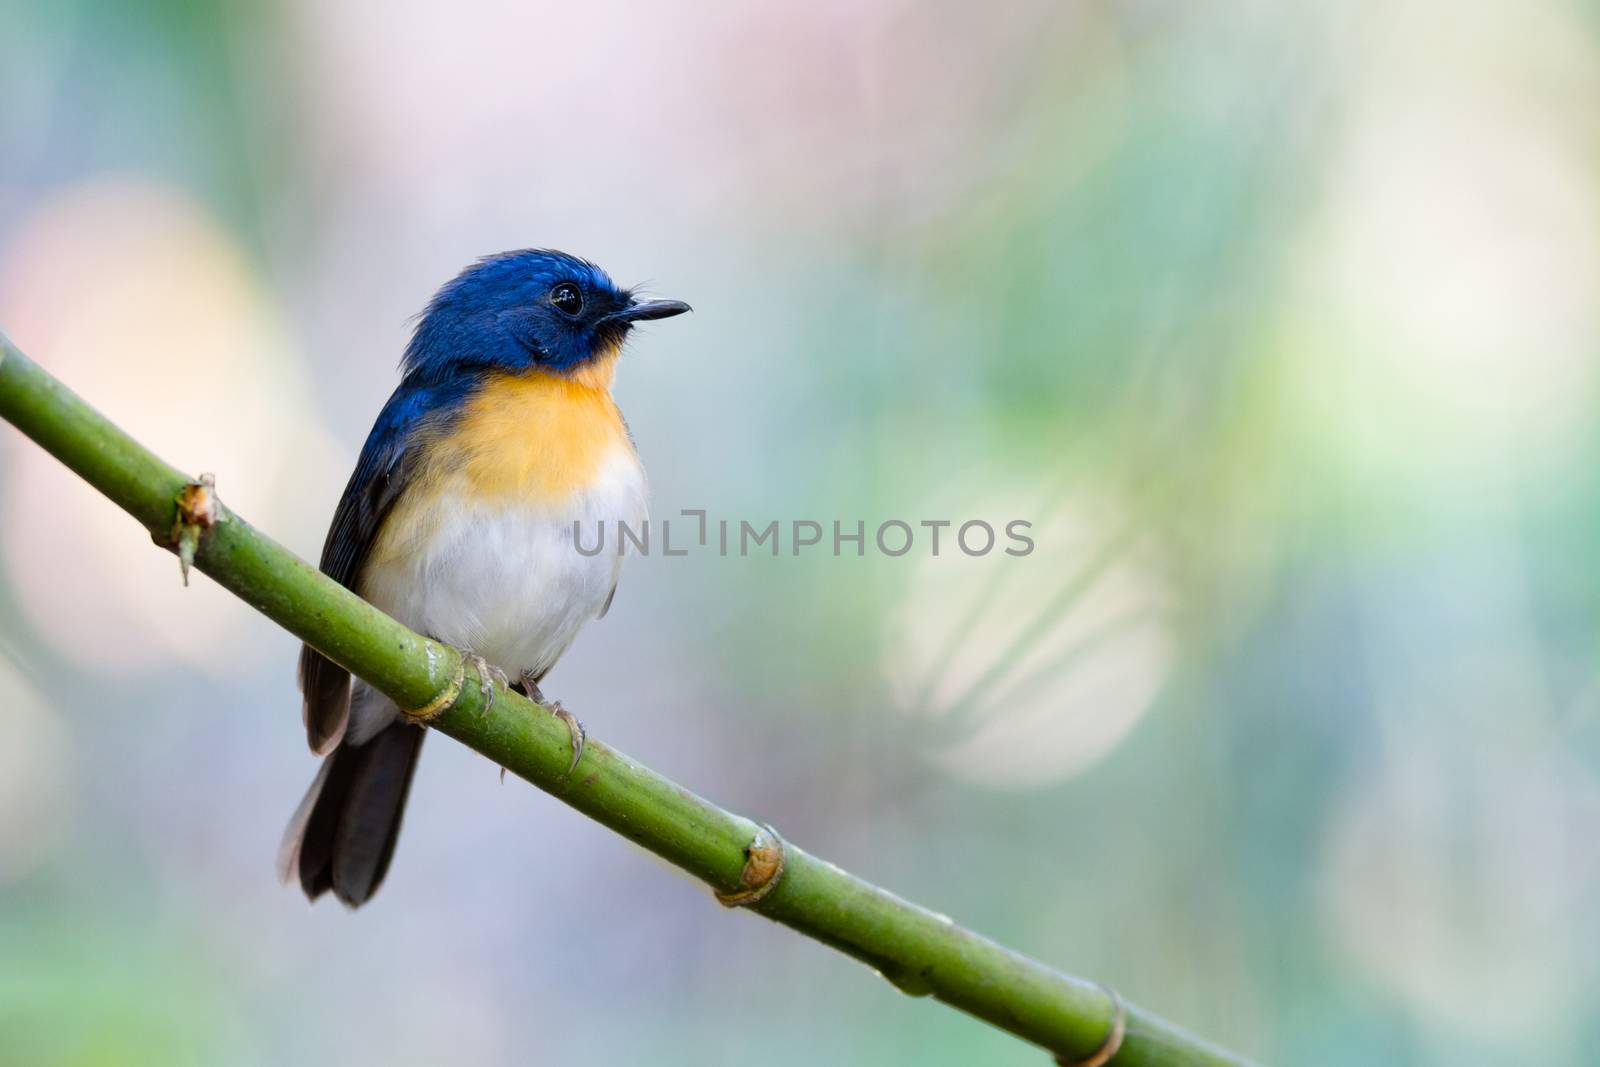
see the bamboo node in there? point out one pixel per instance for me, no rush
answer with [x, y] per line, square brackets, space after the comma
[198, 511]
[441, 703]
[1113, 1041]
[763, 866]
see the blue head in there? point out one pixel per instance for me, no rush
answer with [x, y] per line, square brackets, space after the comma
[518, 310]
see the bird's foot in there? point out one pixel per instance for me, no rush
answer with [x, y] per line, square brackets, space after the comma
[575, 728]
[487, 676]
[530, 686]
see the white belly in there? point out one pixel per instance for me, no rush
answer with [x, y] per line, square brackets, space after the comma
[505, 580]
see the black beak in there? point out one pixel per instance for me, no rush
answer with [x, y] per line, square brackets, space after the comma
[646, 310]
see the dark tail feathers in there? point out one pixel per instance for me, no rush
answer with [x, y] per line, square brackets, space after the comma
[342, 836]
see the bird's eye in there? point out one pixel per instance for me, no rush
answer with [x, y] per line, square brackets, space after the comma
[567, 298]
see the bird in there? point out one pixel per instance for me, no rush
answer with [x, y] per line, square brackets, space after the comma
[460, 520]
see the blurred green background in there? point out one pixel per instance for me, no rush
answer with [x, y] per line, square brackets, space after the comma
[1280, 322]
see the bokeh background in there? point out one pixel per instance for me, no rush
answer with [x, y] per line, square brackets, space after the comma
[1280, 322]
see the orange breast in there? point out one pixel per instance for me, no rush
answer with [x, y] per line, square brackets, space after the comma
[529, 441]
[536, 437]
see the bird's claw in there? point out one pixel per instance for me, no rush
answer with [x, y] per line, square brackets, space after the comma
[530, 688]
[575, 728]
[487, 677]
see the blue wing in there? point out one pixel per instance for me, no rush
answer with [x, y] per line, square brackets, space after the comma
[388, 460]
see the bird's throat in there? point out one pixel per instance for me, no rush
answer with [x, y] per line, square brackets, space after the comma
[598, 372]
[536, 437]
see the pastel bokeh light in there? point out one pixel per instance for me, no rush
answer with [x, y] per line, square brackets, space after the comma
[1279, 323]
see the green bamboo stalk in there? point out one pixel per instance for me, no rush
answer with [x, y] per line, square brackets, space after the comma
[920, 952]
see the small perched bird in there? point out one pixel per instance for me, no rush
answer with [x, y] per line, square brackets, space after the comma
[459, 521]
